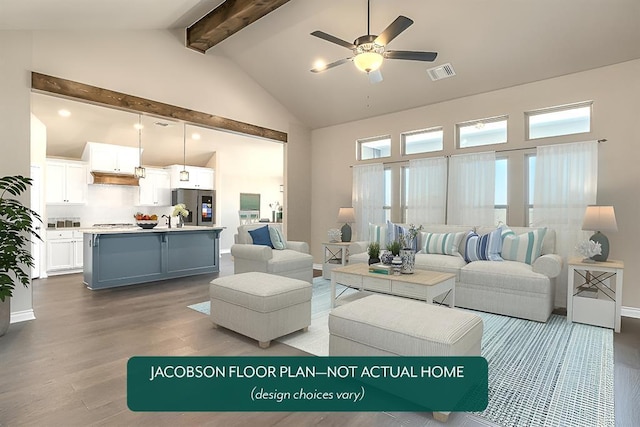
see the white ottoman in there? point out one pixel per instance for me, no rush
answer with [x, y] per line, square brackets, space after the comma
[261, 306]
[381, 325]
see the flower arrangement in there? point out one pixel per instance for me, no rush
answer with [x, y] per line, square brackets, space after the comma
[407, 239]
[275, 206]
[181, 210]
[588, 249]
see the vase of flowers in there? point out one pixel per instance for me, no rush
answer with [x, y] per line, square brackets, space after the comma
[180, 211]
[408, 251]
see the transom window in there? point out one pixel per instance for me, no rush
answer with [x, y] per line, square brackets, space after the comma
[422, 141]
[374, 148]
[557, 121]
[487, 131]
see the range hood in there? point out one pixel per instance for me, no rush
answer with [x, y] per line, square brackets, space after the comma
[114, 178]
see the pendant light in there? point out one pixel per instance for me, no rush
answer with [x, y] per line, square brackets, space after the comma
[139, 171]
[184, 174]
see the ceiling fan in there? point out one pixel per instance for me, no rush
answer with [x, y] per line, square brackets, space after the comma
[370, 50]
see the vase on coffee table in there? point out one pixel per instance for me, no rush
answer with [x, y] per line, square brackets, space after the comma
[408, 257]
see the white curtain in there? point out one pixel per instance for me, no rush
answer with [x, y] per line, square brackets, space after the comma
[367, 197]
[427, 192]
[472, 189]
[566, 182]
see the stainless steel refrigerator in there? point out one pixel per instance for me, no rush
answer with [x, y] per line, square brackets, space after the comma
[201, 205]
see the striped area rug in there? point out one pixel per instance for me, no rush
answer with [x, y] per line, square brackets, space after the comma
[540, 374]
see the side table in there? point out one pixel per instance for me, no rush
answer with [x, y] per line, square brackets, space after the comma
[594, 292]
[335, 255]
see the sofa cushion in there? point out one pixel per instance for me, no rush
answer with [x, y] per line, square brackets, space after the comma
[260, 236]
[277, 239]
[443, 263]
[505, 275]
[396, 231]
[524, 247]
[287, 260]
[483, 248]
[378, 233]
[442, 243]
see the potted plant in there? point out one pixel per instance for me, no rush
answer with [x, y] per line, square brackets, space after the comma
[394, 247]
[374, 252]
[16, 230]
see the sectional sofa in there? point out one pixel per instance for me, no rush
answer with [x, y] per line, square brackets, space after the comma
[517, 280]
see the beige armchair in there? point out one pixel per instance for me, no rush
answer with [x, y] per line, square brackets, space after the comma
[294, 261]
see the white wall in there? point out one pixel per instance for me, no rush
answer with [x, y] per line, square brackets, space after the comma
[616, 111]
[15, 81]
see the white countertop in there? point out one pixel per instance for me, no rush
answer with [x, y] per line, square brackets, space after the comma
[157, 229]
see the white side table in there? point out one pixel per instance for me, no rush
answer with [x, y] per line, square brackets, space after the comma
[335, 255]
[594, 293]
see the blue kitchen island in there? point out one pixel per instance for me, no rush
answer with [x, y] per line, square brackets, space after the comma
[127, 256]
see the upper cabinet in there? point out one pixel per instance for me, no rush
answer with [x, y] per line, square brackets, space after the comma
[155, 189]
[111, 158]
[199, 178]
[66, 182]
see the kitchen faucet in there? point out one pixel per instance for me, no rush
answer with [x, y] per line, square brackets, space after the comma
[168, 220]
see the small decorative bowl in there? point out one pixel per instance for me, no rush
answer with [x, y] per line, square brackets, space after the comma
[146, 225]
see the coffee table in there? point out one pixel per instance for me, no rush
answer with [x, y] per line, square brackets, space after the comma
[422, 284]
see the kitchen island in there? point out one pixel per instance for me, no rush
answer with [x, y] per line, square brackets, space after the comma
[127, 256]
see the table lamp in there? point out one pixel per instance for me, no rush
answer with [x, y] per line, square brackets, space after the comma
[346, 216]
[598, 219]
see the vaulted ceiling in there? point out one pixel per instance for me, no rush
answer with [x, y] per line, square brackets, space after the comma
[491, 44]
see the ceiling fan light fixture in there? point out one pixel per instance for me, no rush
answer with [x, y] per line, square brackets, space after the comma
[368, 57]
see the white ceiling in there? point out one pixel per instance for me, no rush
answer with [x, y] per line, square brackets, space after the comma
[491, 44]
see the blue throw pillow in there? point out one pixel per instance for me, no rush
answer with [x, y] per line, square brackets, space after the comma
[261, 236]
[483, 248]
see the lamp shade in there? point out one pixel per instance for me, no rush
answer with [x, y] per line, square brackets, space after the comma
[346, 215]
[600, 218]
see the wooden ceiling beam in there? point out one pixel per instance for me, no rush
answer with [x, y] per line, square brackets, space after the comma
[108, 98]
[226, 20]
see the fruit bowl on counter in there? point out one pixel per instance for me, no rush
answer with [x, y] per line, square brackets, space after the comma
[145, 221]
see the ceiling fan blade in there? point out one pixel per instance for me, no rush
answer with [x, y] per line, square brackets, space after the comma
[393, 30]
[411, 55]
[333, 39]
[375, 76]
[333, 64]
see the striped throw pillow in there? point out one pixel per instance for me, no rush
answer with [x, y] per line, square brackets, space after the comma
[483, 248]
[524, 247]
[378, 233]
[442, 243]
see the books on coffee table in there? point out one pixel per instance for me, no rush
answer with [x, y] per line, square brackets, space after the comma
[381, 269]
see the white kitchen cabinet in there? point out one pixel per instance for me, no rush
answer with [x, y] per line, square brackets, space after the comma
[111, 158]
[66, 182]
[64, 251]
[155, 188]
[199, 178]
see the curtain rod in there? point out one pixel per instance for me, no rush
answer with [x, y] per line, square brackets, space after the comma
[599, 141]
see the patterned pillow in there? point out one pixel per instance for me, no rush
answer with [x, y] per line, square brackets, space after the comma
[378, 233]
[524, 247]
[442, 243]
[394, 231]
[277, 238]
[483, 248]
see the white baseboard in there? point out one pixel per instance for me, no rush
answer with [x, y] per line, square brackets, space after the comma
[22, 316]
[630, 312]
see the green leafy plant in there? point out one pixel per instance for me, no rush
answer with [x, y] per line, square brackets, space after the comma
[394, 247]
[407, 239]
[16, 230]
[374, 250]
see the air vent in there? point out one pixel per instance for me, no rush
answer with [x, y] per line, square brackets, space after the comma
[161, 124]
[441, 72]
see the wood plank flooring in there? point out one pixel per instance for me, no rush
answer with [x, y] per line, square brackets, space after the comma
[68, 367]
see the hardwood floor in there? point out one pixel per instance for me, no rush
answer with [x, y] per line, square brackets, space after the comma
[68, 367]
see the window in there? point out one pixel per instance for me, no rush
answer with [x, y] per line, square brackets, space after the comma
[387, 194]
[501, 199]
[531, 180]
[557, 121]
[482, 132]
[374, 148]
[405, 192]
[422, 141]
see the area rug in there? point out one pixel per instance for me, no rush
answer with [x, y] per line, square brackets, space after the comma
[540, 374]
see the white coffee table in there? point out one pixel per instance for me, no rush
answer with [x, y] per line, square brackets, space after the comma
[422, 284]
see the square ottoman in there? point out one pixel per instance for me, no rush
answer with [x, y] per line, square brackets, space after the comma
[259, 305]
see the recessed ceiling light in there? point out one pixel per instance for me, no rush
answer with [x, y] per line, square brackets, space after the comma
[64, 113]
[195, 136]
